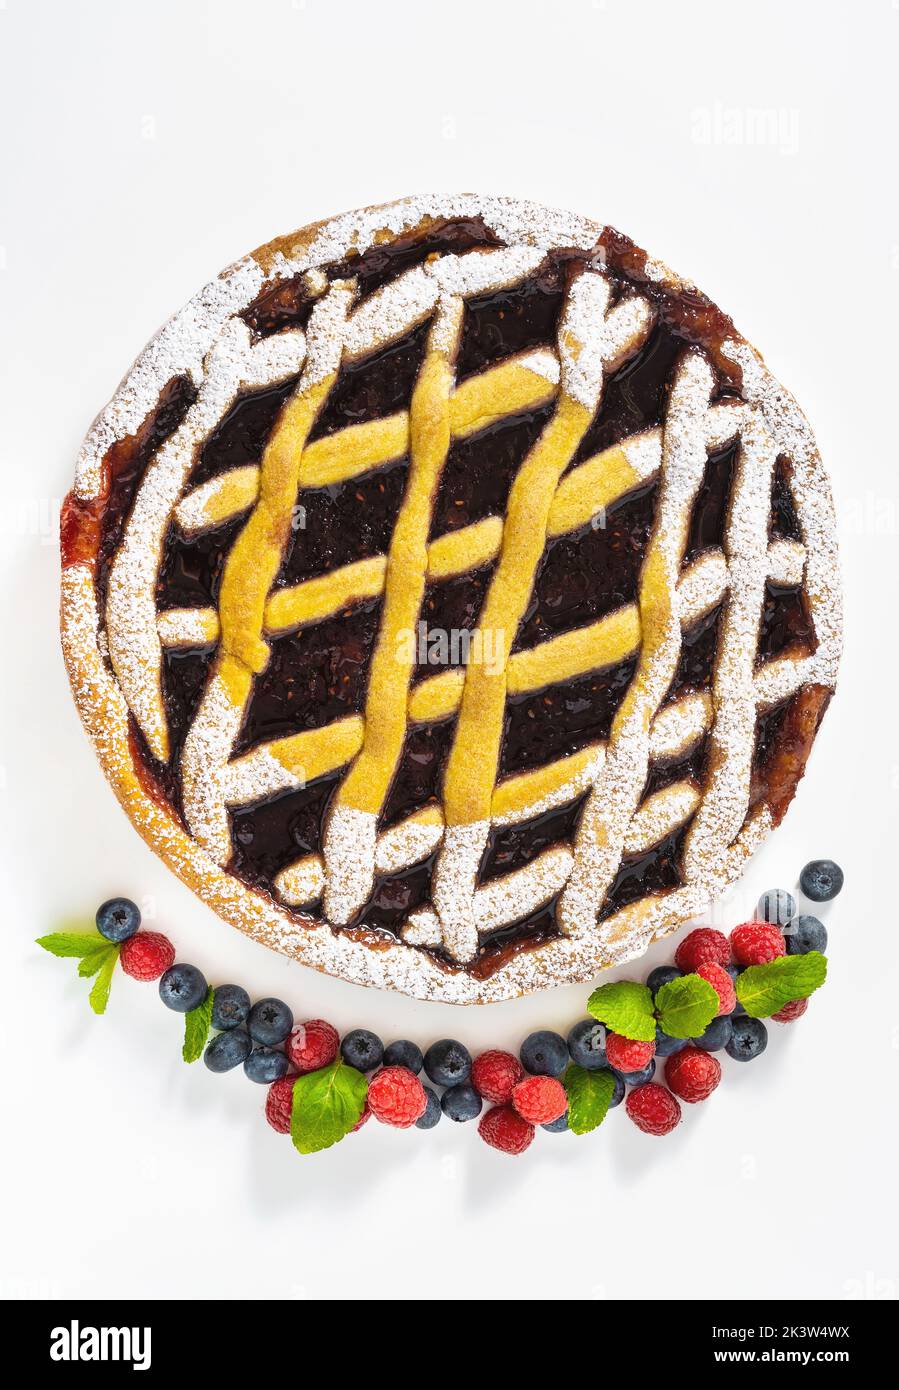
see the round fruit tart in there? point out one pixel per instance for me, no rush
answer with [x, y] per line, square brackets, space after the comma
[451, 595]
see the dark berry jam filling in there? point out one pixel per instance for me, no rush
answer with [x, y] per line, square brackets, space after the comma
[419, 777]
[380, 385]
[666, 771]
[479, 470]
[341, 524]
[314, 676]
[562, 719]
[271, 835]
[656, 871]
[510, 846]
[786, 624]
[590, 572]
[240, 438]
[396, 895]
[634, 398]
[783, 523]
[191, 571]
[502, 945]
[708, 519]
[500, 324]
[696, 664]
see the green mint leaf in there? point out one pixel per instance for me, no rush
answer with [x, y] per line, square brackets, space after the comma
[686, 1006]
[589, 1094]
[626, 1008]
[326, 1106]
[89, 964]
[67, 943]
[99, 995]
[765, 989]
[196, 1028]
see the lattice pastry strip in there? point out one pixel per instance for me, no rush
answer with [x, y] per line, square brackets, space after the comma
[351, 831]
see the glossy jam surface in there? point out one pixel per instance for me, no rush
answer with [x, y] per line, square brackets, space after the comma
[319, 673]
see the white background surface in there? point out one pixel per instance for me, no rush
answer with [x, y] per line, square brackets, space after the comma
[144, 146]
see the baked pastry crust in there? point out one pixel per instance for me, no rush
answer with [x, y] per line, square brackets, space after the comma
[238, 336]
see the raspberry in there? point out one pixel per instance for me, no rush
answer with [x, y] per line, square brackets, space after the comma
[755, 943]
[279, 1103]
[540, 1099]
[504, 1129]
[396, 1097]
[653, 1109]
[313, 1045]
[147, 955]
[702, 945]
[722, 984]
[795, 1009]
[625, 1054]
[692, 1074]
[495, 1075]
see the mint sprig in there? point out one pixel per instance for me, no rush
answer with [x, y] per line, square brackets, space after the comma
[764, 990]
[327, 1104]
[589, 1095]
[90, 963]
[72, 943]
[197, 1023]
[686, 1006]
[95, 956]
[626, 1008]
[99, 995]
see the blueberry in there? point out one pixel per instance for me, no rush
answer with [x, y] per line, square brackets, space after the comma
[230, 1006]
[448, 1063]
[404, 1054]
[717, 1035]
[750, 1038]
[118, 919]
[821, 880]
[557, 1126]
[432, 1114]
[618, 1093]
[461, 1103]
[639, 1078]
[228, 1050]
[544, 1054]
[587, 1044]
[805, 934]
[269, 1022]
[265, 1064]
[662, 975]
[776, 906]
[362, 1050]
[182, 988]
[666, 1046]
